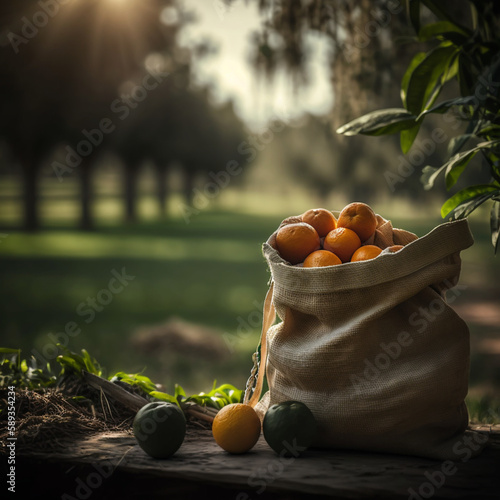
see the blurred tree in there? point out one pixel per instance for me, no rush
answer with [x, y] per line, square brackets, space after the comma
[61, 66]
[365, 63]
[176, 124]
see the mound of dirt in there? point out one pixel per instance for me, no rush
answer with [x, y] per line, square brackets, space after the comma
[177, 336]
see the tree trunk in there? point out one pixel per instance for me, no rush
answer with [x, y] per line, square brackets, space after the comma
[30, 195]
[86, 196]
[162, 188]
[130, 179]
[189, 177]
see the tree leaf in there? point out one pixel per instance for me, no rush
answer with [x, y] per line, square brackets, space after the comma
[489, 129]
[443, 28]
[456, 165]
[444, 106]
[495, 224]
[408, 136]
[438, 11]
[467, 200]
[457, 143]
[413, 8]
[417, 59]
[428, 75]
[465, 79]
[429, 176]
[380, 122]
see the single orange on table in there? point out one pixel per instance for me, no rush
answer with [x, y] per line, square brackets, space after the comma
[236, 428]
[360, 218]
[366, 252]
[342, 242]
[394, 248]
[321, 258]
[296, 241]
[320, 219]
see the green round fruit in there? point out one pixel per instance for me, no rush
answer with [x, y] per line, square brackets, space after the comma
[160, 429]
[289, 428]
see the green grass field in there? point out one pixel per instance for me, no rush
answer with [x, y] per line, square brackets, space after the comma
[210, 271]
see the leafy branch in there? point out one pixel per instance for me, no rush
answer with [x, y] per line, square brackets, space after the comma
[472, 58]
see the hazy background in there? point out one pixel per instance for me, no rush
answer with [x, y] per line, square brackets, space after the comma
[164, 141]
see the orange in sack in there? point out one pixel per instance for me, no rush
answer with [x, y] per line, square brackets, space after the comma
[320, 219]
[342, 242]
[296, 241]
[321, 258]
[360, 218]
[366, 252]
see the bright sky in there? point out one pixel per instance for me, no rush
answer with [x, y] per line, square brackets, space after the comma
[256, 101]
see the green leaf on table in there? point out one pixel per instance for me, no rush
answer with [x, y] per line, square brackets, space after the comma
[380, 122]
[135, 379]
[163, 396]
[463, 203]
[70, 364]
[91, 364]
[179, 393]
[8, 350]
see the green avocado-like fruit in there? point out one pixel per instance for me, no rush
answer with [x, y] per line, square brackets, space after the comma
[289, 428]
[160, 429]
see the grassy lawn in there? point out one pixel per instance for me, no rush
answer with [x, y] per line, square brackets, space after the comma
[210, 271]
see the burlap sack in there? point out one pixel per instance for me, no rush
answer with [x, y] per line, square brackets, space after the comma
[373, 348]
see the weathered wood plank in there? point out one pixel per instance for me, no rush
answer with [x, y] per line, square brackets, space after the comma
[340, 474]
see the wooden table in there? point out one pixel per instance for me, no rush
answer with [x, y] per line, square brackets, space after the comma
[113, 466]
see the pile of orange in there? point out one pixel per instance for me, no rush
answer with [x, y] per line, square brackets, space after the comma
[322, 240]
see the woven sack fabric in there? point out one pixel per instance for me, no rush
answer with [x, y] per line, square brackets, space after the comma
[372, 347]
